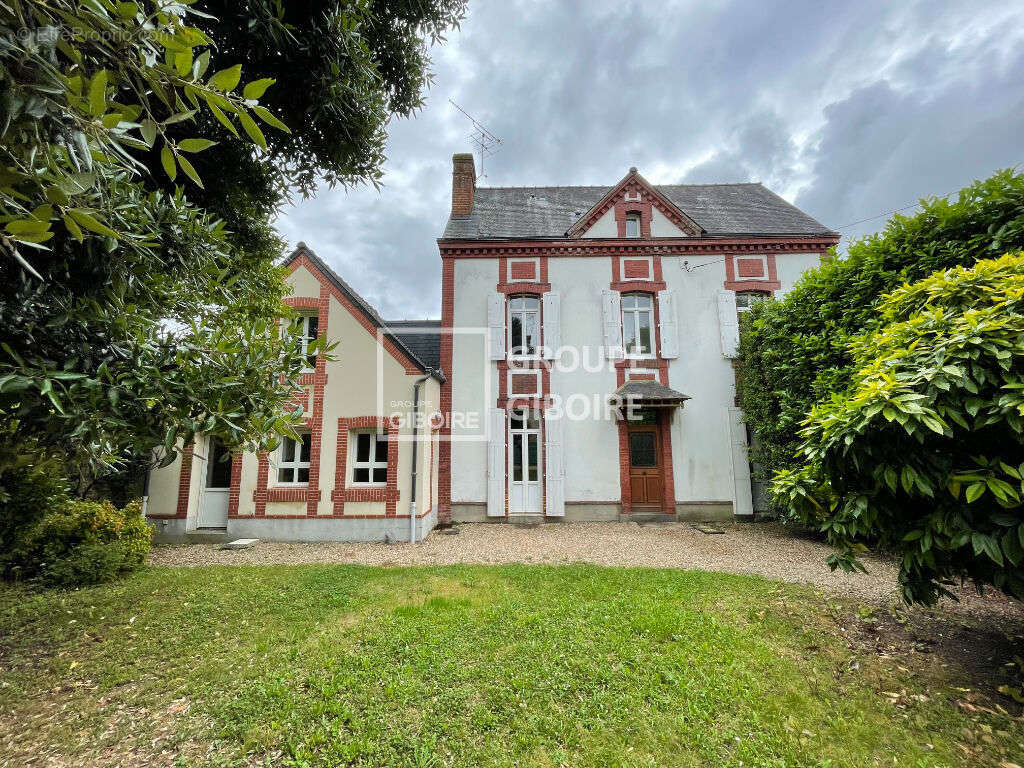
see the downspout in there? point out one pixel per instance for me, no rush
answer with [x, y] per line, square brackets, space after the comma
[415, 445]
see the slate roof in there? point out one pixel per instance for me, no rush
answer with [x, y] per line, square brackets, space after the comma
[369, 312]
[650, 391]
[422, 337]
[720, 210]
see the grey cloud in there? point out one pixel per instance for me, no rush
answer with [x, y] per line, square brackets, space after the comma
[848, 109]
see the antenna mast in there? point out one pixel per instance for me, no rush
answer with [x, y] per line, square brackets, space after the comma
[486, 143]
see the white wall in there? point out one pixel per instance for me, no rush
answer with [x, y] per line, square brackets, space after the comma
[591, 445]
[474, 281]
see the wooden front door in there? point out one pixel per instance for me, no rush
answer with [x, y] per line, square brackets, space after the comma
[645, 466]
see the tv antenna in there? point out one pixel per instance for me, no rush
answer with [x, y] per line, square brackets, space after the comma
[486, 143]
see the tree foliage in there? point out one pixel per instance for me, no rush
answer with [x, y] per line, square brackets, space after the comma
[924, 452]
[795, 352]
[145, 150]
[130, 321]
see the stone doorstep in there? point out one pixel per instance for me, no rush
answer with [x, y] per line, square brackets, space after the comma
[706, 528]
[240, 544]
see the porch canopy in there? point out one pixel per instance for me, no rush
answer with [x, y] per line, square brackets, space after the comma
[646, 394]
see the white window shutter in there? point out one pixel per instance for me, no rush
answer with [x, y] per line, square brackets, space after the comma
[728, 323]
[496, 463]
[611, 306]
[496, 325]
[552, 306]
[742, 499]
[669, 325]
[554, 466]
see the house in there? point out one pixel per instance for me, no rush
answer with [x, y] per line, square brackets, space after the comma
[582, 369]
[560, 304]
[364, 470]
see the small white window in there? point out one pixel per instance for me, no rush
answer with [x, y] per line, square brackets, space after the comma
[745, 301]
[293, 461]
[637, 324]
[307, 328]
[371, 460]
[524, 326]
[632, 225]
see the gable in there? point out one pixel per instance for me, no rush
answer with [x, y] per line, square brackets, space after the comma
[659, 216]
[314, 283]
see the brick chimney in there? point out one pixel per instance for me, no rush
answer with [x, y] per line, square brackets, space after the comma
[463, 184]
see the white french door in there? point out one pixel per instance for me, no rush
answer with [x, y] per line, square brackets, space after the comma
[213, 500]
[524, 464]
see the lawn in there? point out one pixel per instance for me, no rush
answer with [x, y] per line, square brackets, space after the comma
[473, 666]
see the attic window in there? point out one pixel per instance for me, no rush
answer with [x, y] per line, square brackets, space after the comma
[632, 225]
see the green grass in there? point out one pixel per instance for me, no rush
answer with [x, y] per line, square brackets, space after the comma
[467, 666]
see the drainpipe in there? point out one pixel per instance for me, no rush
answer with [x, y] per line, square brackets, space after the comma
[415, 445]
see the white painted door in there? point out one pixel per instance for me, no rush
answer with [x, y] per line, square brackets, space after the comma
[524, 464]
[213, 503]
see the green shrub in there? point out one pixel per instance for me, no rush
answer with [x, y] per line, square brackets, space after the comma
[925, 451]
[795, 352]
[83, 542]
[27, 494]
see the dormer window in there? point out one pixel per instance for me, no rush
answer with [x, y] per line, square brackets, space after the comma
[632, 225]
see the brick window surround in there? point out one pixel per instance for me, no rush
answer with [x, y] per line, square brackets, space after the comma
[751, 272]
[342, 490]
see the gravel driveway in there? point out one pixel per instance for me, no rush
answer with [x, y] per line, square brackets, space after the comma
[766, 549]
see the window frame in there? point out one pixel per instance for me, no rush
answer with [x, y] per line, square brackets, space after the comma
[536, 312]
[757, 296]
[301, 324]
[372, 463]
[633, 216]
[296, 464]
[636, 313]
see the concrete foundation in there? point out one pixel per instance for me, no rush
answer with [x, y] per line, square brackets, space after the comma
[268, 528]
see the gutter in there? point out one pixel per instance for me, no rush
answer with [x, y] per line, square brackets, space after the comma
[415, 446]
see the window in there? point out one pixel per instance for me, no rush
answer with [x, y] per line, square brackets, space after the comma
[745, 301]
[637, 322]
[524, 325]
[632, 225]
[307, 328]
[371, 464]
[293, 464]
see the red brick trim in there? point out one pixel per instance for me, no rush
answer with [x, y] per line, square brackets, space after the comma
[342, 491]
[185, 481]
[536, 287]
[636, 286]
[621, 366]
[510, 401]
[302, 302]
[304, 493]
[302, 260]
[524, 288]
[259, 495]
[235, 492]
[444, 462]
[696, 246]
[668, 492]
[732, 283]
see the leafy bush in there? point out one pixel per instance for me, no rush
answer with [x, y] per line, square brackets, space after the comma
[925, 451]
[795, 352]
[26, 495]
[83, 542]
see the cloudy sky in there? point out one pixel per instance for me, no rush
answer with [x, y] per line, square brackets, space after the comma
[848, 110]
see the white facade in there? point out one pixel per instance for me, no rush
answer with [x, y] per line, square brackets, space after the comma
[633, 261]
[703, 431]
